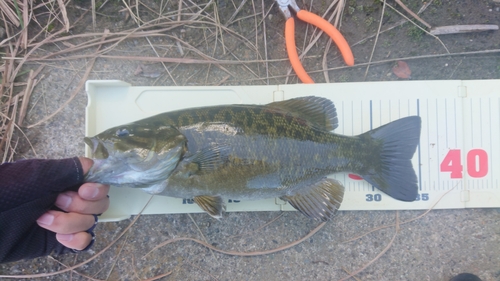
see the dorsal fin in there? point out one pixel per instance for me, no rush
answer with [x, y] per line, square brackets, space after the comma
[317, 110]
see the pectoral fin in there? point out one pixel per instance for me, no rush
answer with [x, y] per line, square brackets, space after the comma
[213, 205]
[318, 201]
[211, 157]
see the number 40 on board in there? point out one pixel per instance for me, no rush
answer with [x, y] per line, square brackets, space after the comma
[477, 163]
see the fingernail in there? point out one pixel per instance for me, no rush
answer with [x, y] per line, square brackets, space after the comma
[63, 200]
[46, 219]
[90, 192]
[64, 237]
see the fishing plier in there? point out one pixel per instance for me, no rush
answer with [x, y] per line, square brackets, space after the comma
[317, 21]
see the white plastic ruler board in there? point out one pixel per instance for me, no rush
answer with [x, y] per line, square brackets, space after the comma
[459, 146]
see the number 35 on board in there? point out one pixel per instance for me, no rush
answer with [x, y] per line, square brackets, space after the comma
[477, 163]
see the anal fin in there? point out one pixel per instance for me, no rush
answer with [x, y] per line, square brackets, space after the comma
[213, 205]
[319, 201]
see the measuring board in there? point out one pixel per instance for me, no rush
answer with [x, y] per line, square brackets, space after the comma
[459, 148]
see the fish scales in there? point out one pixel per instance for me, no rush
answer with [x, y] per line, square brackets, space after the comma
[272, 139]
[284, 149]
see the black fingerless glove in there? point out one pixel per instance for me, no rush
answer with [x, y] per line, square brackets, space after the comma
[28, 189]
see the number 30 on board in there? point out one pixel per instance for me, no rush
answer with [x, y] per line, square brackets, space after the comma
[477, 163]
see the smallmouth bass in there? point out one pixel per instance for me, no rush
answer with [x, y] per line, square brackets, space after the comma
[247, 152]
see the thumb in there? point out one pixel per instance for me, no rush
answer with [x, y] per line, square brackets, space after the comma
[86, 164]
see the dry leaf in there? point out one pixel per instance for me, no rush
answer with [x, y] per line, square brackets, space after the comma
[402, 70]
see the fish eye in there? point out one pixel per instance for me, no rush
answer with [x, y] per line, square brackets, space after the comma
[122, 132]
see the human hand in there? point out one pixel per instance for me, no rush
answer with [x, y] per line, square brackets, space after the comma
[72, 225]
[35, 195]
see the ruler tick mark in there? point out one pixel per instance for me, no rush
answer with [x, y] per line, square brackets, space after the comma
[419, 154]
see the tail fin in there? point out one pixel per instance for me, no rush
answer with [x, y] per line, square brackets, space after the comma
[396, 176]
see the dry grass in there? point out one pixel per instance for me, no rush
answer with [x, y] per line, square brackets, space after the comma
[20, 19]
[31, 28]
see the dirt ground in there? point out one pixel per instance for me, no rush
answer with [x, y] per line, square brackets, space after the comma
[223, 43]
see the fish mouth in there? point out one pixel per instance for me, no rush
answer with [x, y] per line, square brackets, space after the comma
[98, 150]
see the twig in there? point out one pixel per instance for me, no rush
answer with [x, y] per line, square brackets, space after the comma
[404, 222]
[230, 20]
[236, 253]
[348, 272]
[418, 26]
[455, 69]
[136, 18]
[75, 92]
[265, 42]
[324, 62]
[81, 274]
[380, 254]
[492, 51]
[116, 257]
[62, 8]
[376, 39]
[202, 235]
[27, 139]
[39, 44]
[27, 94]
[223, 80]
[259, 228]
[412, 13]
[134, 267]
[204, 271]
[179, 10]
[134, 33]
[151, 45]
[24, 34]
[10, 129]
[9, 13]
[453, 29]
[158, 276]
[152, 59]
[93, 13]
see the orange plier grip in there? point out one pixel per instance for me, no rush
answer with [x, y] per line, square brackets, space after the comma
[322, 24]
